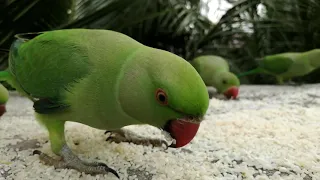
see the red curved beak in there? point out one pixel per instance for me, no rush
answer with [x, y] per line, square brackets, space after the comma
[232, 92]
[2, 109]
[182, 131]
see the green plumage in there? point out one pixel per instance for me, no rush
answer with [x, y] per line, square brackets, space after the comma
[4, 95]
[285, 66]
[64, 71]
[215, 71]
[35, 60]
[103, 79]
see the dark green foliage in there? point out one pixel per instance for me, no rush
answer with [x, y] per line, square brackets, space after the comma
[179, 27]
[173, 25]
[18, 16]
[288, 25]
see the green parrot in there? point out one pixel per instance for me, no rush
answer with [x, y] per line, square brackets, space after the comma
[285, 66]
[215, 72]
[4, 96]
[106, 80]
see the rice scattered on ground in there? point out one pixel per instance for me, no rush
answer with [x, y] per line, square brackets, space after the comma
[272, 132]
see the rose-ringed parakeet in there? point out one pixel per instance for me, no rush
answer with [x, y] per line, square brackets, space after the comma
[215, 72]
[285, 66]
[4, 96]
[106, 80]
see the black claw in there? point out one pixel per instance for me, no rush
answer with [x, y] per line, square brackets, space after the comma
[107, 132]
[172, 145]
[166, 144]
[36, 152]
[108, 138]
[102, 164]
[107, 169]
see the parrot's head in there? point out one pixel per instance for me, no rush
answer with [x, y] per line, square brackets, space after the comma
[163, 90]
[228, 84]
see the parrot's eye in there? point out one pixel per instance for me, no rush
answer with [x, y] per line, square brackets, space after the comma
[161, 97]
[224, 81]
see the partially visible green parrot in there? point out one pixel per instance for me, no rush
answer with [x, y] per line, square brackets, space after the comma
[106, 80]
[4, 96]
[215, 72]
[285, 66]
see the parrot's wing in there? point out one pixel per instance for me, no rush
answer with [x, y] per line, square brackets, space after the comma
[277, 64]
[46, 67]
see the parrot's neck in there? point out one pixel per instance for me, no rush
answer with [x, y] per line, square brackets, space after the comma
[313, 57]
[215, 80]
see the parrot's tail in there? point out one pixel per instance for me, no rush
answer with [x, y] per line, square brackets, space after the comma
[253, 71]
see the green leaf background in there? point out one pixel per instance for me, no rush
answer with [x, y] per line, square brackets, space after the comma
[242, 35]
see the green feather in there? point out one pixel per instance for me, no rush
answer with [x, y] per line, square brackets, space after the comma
[215, 71]
[103, 79]
[277, 64]
[87, 75]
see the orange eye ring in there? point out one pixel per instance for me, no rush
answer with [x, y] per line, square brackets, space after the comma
[161, 97]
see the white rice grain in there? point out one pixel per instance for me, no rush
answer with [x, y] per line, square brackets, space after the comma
[271, 133]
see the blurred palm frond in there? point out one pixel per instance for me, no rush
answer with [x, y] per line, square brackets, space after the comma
[248, 30]
[18, 16]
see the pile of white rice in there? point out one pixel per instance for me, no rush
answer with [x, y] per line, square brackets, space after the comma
[272, 132]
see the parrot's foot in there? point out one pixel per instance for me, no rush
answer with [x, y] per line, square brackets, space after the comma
[71, 161]
[121, 135]
[211, 94]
